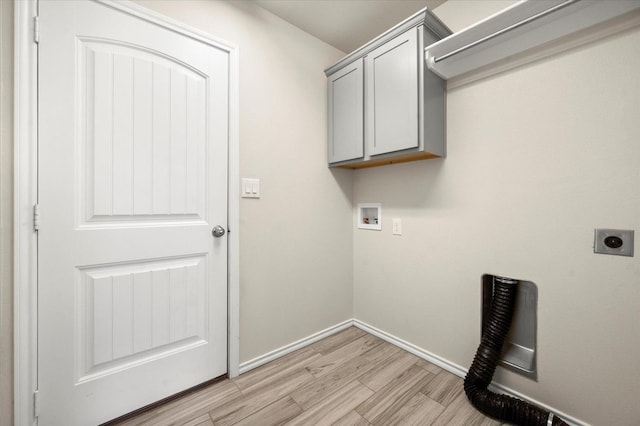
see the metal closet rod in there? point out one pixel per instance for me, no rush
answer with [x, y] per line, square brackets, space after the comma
[504, 30]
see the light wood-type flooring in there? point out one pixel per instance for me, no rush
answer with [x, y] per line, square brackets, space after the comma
[350, 378]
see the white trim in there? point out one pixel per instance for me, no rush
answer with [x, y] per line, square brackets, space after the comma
[593, 34]
[233, 236]
[456, 369]
[299, 344]
[513, 31]
[25, 196]
[174, 25]
[411, 348]
[402, 344]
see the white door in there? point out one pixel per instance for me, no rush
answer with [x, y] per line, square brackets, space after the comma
[133, 138]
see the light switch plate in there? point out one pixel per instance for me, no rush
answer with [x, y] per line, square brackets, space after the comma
[396, 226]
[614, 241]
[250, 188]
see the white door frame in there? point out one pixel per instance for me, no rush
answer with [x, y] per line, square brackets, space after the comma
[26, 196]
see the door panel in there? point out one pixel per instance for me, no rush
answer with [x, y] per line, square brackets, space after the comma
[133, 139]
[346, 113]
[392, 95]
[132, 312]
[133, 96]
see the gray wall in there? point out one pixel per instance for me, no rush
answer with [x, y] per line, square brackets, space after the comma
[538, 157]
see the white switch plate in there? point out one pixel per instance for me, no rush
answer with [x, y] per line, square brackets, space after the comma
[250, 188]
[397, 226]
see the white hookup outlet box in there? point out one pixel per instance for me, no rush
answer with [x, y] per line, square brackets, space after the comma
[370, 216]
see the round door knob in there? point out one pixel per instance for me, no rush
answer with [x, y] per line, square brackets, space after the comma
[218, 231]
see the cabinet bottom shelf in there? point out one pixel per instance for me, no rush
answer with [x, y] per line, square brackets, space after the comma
[392, 160]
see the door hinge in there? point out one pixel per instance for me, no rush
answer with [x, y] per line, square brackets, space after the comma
[36, 29]
[36, 217]
[36, 403]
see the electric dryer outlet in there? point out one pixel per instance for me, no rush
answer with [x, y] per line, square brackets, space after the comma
[614, 241]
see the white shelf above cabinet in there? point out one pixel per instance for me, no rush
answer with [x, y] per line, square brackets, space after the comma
[525, 25]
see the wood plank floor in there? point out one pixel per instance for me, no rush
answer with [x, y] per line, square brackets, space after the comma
[350, 378]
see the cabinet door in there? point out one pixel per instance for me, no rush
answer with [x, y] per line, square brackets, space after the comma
[392, 95]
[346, 113]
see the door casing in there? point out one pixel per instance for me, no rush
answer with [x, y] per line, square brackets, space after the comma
[25, 252]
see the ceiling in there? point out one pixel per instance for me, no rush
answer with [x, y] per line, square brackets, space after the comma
[345, 24]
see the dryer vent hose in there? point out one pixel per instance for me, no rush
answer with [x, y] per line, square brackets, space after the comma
[503, 407]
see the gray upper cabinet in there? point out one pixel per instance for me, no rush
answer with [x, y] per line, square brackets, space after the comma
[384, 105]
[392, 95]
[346, 132]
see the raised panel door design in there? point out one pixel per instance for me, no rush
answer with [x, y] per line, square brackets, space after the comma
[392, 95]
[346, 113]
[143, 154]
[135, 312]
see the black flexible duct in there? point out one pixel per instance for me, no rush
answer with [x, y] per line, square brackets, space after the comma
[502, 407]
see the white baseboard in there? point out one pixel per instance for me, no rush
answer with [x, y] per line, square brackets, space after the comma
[280, 352]
[411, 348]
[458, 370]
[403, 344]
